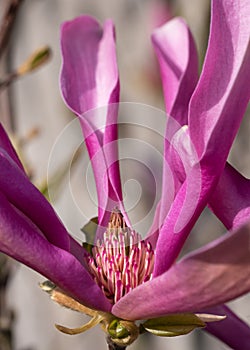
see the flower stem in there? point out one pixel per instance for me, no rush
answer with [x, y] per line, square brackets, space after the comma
[7, 22]
[113, 346]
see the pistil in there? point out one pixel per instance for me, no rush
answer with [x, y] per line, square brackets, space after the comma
[121, 260]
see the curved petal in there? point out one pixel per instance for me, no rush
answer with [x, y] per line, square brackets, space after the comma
[89, 76]
[177, 56]
[180, 157]
[90, 88]
[230, 200]
[215, 111]
[209, 276]
[7, 146]
[153, 231]
[20, 192]
[232, 330]
[187, 206]
[78, 251]
[20, 240]
[220, 99]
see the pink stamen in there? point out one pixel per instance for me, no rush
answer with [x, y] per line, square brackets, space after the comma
[121, 261]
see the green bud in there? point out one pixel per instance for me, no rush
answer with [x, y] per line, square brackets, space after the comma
[173, 325]
[47, 286]
[117, 330]
[88, 247]
[35, 60]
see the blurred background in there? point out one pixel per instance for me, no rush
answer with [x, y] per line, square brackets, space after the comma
[32, 110]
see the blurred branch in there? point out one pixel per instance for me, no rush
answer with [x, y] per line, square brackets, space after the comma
[34, 61]
[7, 23]
[6, 316]
[9, 13]
[56, 179]
[8, 80]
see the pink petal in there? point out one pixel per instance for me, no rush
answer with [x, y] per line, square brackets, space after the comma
[209, 276]
[20, 192]
[78, 251]
[230, 200]
[176, 52]
[90, 84]
[177, 165]
[89, 76]
[216, 108]
[232, 331]
[22, 241]
[7, 146]
[183, 214]
[153, 232]
[220, 99]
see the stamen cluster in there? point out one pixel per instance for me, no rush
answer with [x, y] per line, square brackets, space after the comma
[121, 261]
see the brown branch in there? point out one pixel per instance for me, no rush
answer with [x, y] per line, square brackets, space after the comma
[6, 316]
[34, 61]
[113, 346]
[8, 80]
[7, 23]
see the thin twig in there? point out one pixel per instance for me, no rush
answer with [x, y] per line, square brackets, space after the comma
[6, 316]
[38, 58]
[8, 80]
[7, 23]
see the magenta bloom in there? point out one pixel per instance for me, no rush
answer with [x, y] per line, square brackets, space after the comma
[149, 284]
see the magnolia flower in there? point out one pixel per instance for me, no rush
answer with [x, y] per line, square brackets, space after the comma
[123, 278]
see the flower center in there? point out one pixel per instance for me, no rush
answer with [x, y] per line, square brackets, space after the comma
[121, 260]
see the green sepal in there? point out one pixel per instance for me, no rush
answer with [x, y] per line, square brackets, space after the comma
[90, 230]
[88, 247]
[117, 330]
[173, 325]
[47, 286]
